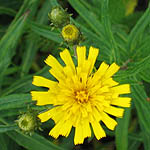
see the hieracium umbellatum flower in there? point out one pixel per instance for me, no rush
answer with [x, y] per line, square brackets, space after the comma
[80, 98]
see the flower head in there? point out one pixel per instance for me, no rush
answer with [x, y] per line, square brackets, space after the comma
[70, 33]
[81, 99]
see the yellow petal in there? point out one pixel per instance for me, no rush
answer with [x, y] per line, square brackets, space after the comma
[65, 55]
[95, 89]
[98, 130]
[98, 74]
[65, 128]
[111, 70]
[57, 74]
[68, 71]
[86, 128]
[110, 82]
[84, 112]
[78, 138]
[55, 131]
[118, 112]
[57, 114]
[52, 62]
[93, 53]
[42, 98]
[101, 70]
[44, 116]
[104, 89]
[81, 55]
[96, 115]
[122, 89]
[109, 122]
[122, 101]
[41, 81]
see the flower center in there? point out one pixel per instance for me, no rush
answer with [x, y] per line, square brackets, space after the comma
[81, 96]
[68, 31]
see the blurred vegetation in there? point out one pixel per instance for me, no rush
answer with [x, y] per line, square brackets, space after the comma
[120, 29]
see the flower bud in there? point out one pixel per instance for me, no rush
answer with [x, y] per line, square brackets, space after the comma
[28, 122]
[59, 17]
[70, 34]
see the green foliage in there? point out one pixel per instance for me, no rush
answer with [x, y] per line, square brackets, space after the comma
[26, 39]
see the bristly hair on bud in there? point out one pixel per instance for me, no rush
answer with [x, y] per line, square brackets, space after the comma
[58, 17]
[71, 34]
[28, 122]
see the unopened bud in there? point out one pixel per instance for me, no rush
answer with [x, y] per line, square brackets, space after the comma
[59, 17]
[28, 122]
[70, 33]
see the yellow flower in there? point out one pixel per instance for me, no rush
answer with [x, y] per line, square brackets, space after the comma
[81, 99]
[70, 33]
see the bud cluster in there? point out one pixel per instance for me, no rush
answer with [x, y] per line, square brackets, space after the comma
[61, 19]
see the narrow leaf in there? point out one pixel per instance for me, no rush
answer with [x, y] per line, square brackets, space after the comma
[14, 101]
[115, 55]
[46, 32]
[88, 16]
[138, 30]
[9, 42]
[121, 134]
[5, 128]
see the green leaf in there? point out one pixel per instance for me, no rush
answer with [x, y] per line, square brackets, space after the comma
[135, 137]
[8, 11]
[34, 142]
[121, 134]
[134, 145]
[116, 10]
[145, 75]
[89, 17]
[13, 111]
[25, 7]
[45, 31]
[143, 111]
[146, 139]
[24, 84]
[121, 39]
[143, 48]
[142, 107]
[137, 31]
[9, 42]
[115, 55]
[3, 143]
[33, 40]
[14, 101]
[5, 128]
[135, 68]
